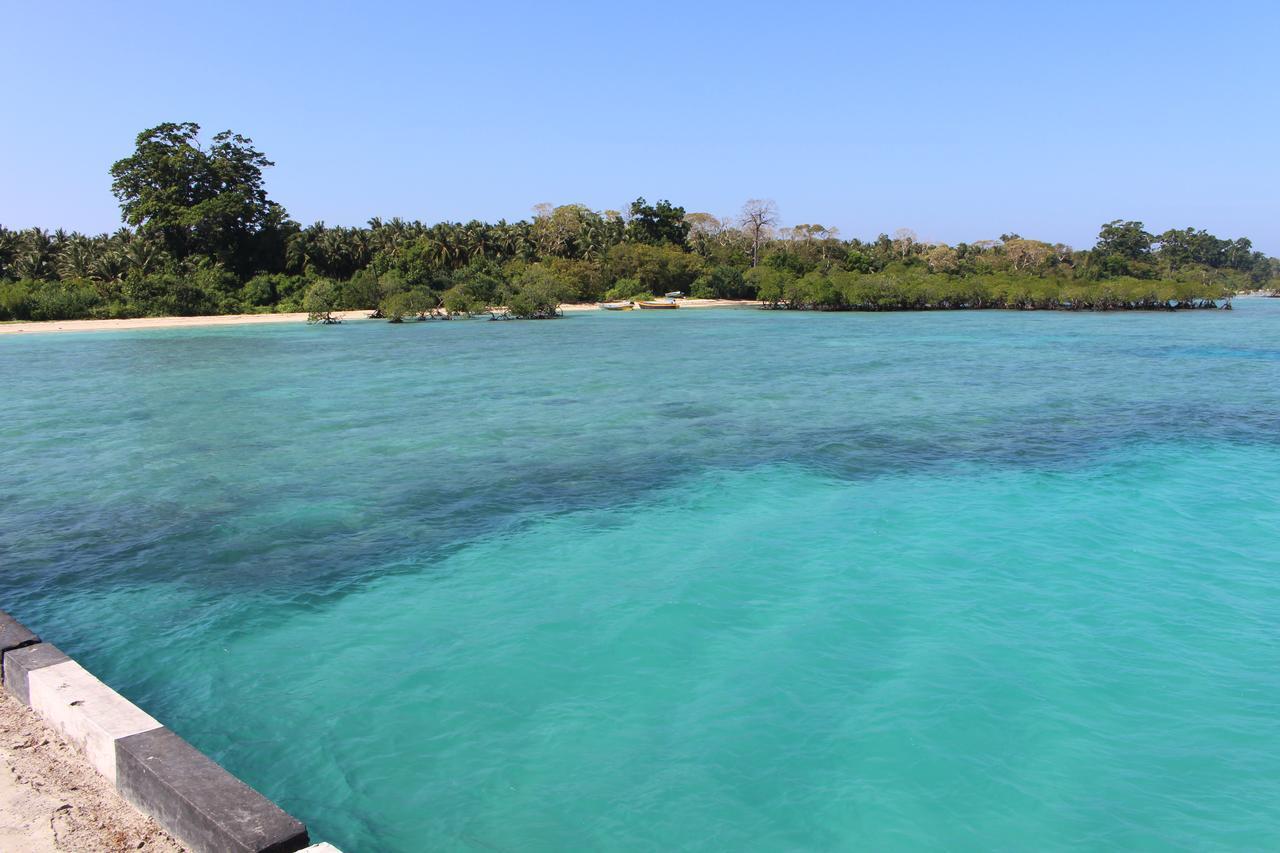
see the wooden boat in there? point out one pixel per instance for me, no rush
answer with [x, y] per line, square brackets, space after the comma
[617, 306]
[660, 303]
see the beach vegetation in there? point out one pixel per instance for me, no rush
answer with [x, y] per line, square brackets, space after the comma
[627, 290]
[202, 236]
[321, 301]
[661, 224]
[536, 293]
[194, 199]
[416, 302]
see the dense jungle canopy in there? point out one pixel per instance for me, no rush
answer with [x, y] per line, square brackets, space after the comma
[201, 236]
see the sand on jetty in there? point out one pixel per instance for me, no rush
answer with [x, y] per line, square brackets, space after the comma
[51, 799]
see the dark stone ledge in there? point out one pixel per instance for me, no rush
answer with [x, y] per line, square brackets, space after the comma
[19, 662]
[202, 804]
[14, 635]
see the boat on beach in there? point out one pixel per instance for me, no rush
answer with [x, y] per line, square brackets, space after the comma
[660, 303]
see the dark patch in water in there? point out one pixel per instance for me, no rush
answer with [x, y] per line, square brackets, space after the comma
[308, 532]
[686, 411]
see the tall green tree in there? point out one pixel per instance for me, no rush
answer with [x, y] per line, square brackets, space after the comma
[657, 224]
[1125, 239]
[197, 200]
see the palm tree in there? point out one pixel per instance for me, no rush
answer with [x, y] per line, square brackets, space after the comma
[75, 260]
[34, 256]
[8, 248]
[143, 256]
[110, 266]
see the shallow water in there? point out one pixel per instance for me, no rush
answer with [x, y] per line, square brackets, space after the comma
[704, 580]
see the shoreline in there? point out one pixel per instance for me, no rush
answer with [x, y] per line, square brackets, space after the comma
[684, 303]
[135, 323]
[44, 326]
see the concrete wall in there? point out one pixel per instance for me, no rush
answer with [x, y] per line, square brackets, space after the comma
[195, 800]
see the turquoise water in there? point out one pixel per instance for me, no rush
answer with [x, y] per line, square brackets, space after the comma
[720, 580]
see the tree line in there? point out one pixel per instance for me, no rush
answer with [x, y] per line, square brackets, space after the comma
[201, 236]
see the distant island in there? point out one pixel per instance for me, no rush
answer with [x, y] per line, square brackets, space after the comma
[202, 237]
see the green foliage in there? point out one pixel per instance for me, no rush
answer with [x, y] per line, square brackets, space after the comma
[771, 285]
[15, 300]
[659, 269]
[457, 302]
[627, 290]
[657, 224]
[909, 289]
[1127, 240]
[722, 282]
[361, 291]
[205, 238]
[479, 282]
[196, 200]
[48, 300]
[535, 294]
[790, 262]
[290, 290]
[169, 294]
[475, 288]
[263, 290]
[415, 301]
[569, 231]
[585, 279]
[321, 300]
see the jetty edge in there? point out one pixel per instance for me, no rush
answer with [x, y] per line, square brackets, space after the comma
[191, 796]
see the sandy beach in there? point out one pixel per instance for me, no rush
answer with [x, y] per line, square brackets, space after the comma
[684, 303]
[253, 319]
[163, 322]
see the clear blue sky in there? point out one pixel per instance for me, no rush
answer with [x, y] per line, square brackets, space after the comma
[959, 120]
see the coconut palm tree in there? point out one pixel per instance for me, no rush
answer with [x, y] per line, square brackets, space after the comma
[35, 255]
[143, 256]
[9, 241]
[76, 257]
[110, 266]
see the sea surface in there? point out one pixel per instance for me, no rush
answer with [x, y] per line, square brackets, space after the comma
[698, 580]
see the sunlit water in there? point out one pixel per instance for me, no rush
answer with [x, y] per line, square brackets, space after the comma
[721, 580]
